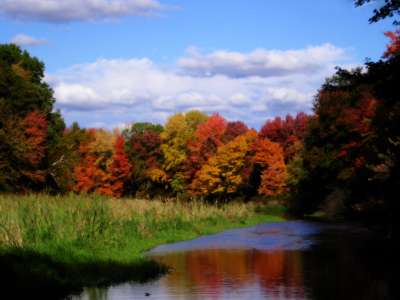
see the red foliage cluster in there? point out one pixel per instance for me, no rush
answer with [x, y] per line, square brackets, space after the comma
[273, 176]
[118, 171]
[88, 175]
[286, 132]
[233, 130]
[394, 47]
[35, 126]
[99, 174]
[206, 139]
[357, 120]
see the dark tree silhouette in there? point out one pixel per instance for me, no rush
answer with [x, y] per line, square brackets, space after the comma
[389, 9]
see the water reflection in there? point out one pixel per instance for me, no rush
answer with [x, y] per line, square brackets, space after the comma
[291, 260]
[221, 273]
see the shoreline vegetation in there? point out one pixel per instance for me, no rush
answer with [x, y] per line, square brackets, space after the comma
[54, 246]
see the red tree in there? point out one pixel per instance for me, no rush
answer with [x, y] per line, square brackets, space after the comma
[88, 175]
[35, 125]
[118, 171]
[35, 131]
[357, 121]
[233, 130]
[207, 138]
[286, 132]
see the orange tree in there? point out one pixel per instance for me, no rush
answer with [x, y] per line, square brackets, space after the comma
[270, 157]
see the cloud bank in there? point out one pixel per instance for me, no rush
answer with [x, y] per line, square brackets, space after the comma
[260, 62]
[76, 10]
[26, 40]
[247, 86]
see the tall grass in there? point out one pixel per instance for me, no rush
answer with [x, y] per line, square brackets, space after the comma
[77, 234]
[35, 220]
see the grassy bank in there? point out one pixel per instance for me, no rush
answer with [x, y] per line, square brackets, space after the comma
[57, 245]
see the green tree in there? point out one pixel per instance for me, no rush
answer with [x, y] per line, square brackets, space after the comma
[26, 103]
[22, 88]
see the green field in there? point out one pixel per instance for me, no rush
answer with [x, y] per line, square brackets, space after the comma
[57, 245]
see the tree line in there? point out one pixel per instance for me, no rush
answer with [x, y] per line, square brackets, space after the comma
[192, 155]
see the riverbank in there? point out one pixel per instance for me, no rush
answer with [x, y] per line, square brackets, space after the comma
[54, 246]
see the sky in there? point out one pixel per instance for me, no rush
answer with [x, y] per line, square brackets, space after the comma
[115, 62]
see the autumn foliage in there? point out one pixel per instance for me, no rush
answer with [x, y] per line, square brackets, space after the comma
[287, 132]
[394, 47]
[193, 155]
[206, 139]
[103, 169]
[270, 157]
[35, 126]
[143, 149]
[35, 133]
[88, 176]
[87, 173]
[118, 171]
[225, 173]
[344, 155]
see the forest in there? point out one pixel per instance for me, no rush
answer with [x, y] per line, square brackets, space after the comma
[342, 158]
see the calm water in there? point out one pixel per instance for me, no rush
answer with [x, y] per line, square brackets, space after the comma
[288, 260]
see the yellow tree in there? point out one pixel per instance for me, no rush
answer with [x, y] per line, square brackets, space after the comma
[225, 173]
[177, 132]
[103, 142]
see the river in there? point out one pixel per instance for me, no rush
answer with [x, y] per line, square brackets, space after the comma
[285, 260]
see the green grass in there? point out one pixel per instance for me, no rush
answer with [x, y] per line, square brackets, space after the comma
[60, 244]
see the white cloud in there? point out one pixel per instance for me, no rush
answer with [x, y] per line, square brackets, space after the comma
[118, 91]
[76, 10]
[260, 62]
[27, 40]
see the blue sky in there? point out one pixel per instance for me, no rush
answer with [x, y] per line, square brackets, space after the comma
[113, 62]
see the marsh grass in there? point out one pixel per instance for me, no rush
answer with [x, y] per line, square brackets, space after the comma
[59, 244]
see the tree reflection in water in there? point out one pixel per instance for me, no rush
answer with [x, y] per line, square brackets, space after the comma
[216, 272]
